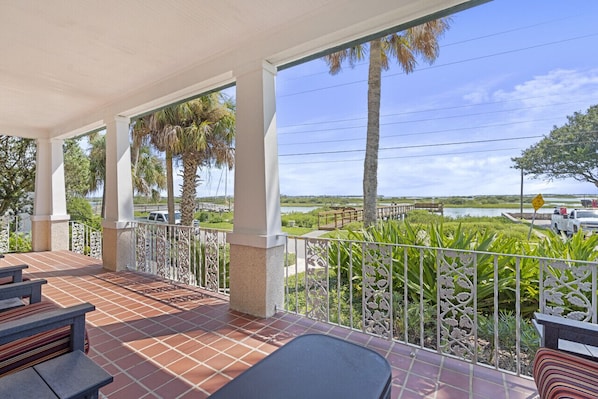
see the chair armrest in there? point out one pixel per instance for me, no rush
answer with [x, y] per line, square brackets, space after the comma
[553, 328]
[16, 272]
[73, 316]
[31, 288]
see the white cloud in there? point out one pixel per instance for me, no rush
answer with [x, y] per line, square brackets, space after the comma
[559, 86]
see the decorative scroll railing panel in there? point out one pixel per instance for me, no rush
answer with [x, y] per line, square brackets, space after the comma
[464, 304]
[85, 240]
[15, 233]
[184, 254]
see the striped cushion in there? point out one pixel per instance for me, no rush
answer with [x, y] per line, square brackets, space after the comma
[26, 352]
[10, 280]
[560, 374]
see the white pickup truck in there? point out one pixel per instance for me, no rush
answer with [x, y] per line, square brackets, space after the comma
[575, 220]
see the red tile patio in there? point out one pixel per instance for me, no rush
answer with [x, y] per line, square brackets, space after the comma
[161, 340]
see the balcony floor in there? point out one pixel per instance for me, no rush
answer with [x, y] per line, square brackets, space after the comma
[161, 340]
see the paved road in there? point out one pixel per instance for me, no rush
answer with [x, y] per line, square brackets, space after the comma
[297, 246]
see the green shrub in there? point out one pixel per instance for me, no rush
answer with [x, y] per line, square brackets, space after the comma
[19, 242]
[422, 262]
[419, 216]
[300, 219]
[507, 341]
[79, 209]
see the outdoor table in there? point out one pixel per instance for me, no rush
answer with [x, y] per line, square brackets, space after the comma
[70, 376]
[313, 366]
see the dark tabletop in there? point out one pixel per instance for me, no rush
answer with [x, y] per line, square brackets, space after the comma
[313, 366]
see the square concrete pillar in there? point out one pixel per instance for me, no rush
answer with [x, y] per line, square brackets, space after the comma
[257, 280]
[49, 234]
[118, 247]
[49, 222]
[257, 241]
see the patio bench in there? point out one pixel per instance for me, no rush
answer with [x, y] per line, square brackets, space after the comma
[313, 366]
[69, 375]
[12, 295]
[11, 274]
[40, 331]
[565, 366]
[8, 276]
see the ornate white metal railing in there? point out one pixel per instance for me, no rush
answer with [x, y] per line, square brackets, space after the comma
[472, 305]
[15, 234]
[85, 240]
[184, 254]
[476, 306]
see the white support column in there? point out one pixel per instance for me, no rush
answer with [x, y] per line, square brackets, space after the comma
[257, 241]
[49, 222]
[117, 248]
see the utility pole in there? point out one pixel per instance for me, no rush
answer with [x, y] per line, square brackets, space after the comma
[521, 197]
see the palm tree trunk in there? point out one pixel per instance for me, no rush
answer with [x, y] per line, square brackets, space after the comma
[370, 167]
[103, 213]
[170, 186]
[189, 190]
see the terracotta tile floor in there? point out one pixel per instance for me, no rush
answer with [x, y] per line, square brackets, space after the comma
[160, 340]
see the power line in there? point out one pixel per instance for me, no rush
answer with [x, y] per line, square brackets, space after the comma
[447, 153]
[432, 110]
[412, 146]
[422, 133]
[447, 64]
[416, 120]
[404, 156]
[473, 39]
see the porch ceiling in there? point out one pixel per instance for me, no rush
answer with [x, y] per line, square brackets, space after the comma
[67, 65]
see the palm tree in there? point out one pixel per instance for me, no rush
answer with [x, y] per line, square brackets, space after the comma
[201, 133]
[149, 177]
[205, 141]
[97, 166]
[161, 127]
[147, 168]
[406, 47]
[140, 134]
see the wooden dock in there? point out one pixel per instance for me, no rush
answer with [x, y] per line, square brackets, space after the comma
[338, 218]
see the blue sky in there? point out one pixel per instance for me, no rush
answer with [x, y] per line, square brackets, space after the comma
[507, 73]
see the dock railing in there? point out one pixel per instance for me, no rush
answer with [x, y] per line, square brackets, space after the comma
[338, 218]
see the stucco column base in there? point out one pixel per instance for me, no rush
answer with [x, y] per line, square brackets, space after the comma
[256, 279]
[49, 235]
[117, 248]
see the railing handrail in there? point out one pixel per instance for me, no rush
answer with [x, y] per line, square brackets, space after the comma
[460, 250]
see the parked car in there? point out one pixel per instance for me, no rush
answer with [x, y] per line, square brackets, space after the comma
[162, 217]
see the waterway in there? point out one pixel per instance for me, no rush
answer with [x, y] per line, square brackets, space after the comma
[449, 212]
[490, 212]
[297, 209]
